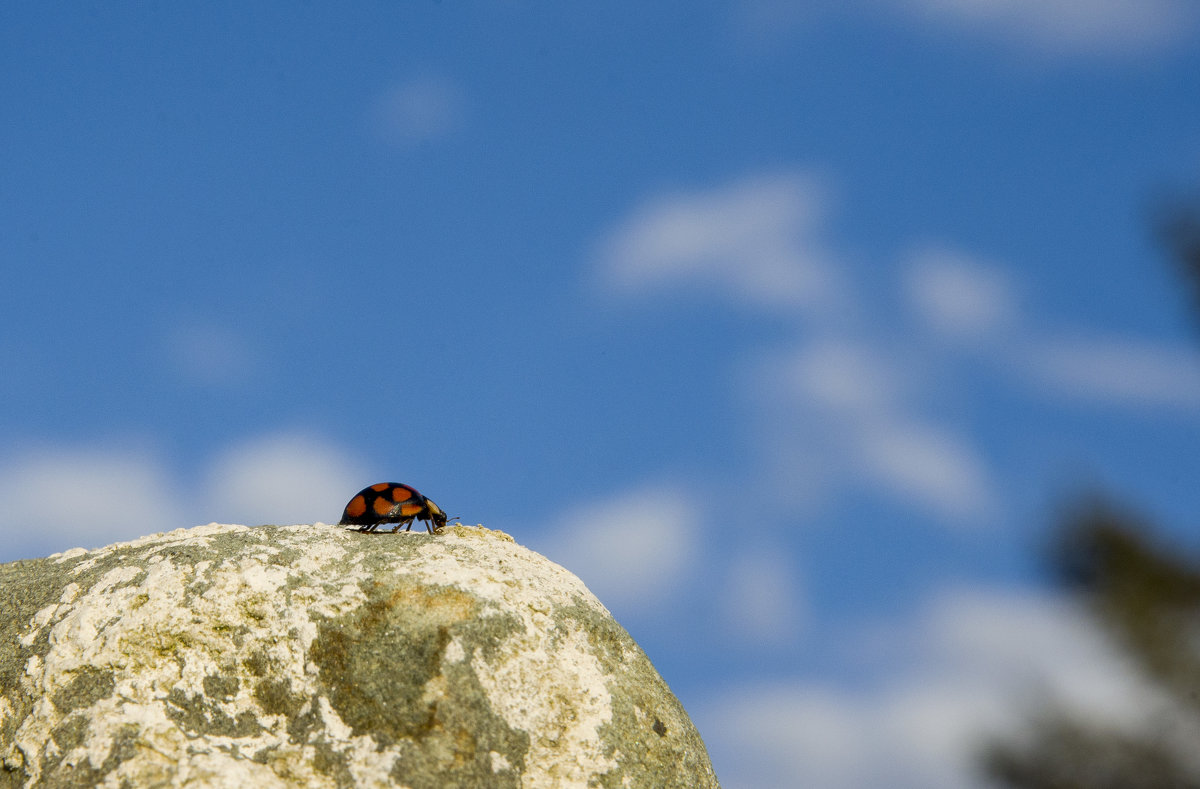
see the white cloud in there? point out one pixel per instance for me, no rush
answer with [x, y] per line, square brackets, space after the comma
[53, 499]
[284, 478]
[845, 414]
[636, 547]
[847, 411]
[962, 299]
[211, 355]
[1015, 640]
[977, 662]
[958, 297]
[60, 498]
[1062, 29]
[1067, 27]
[845, 376]
[755, 241]
[1116, 372]
[927, 464]
[421, 109]
[760, 601]
[858, 405]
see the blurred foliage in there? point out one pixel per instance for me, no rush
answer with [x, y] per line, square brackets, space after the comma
[1145, 595]
[1177, 221]
[1070, 754]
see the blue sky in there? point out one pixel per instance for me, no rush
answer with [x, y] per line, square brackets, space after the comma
[787, 326]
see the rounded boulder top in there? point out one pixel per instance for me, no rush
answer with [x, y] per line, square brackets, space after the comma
[281, 656]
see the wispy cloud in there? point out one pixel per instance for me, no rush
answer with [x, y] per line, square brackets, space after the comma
[64, 497]
[856, 403]
[634, 549]
[283, 478]
[55, 498]
[969, 664]
[855, 412]
[211, 355]
[971, 303]
[844, 410]
[1054, 29]
[757, 242]
[958, 297]
[1118, 372]
[1064, 27]
[418, 110]
[761, 600]
[931, 465]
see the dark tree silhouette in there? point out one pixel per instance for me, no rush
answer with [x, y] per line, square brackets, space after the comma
[1145, 595]
[1178, 225]
[1068, 754]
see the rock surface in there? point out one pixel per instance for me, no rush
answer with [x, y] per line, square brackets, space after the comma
[229, 656]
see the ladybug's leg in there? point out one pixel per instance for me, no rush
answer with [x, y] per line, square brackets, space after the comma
[406, 522]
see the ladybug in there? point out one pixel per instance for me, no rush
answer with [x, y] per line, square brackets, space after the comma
[392, 502]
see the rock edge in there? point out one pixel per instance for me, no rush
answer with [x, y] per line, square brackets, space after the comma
[310, 655]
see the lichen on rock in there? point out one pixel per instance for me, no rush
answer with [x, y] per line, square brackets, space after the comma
[314, 656]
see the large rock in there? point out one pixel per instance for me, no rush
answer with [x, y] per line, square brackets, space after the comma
[314, 656]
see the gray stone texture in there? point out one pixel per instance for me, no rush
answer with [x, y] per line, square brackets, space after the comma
[283, 656]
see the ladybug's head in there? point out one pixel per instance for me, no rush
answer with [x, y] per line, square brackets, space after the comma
[436, 515]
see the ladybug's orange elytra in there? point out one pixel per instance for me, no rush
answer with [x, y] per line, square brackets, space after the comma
[356, 507]
[392, 502]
